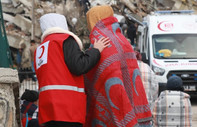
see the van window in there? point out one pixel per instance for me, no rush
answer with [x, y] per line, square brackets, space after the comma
[175, 46]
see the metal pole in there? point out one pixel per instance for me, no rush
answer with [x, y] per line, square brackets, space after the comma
[33, 20]
[63, 6]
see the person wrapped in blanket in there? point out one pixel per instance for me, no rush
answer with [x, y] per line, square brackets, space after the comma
[173, 107]
[115, 93]
[29, 108]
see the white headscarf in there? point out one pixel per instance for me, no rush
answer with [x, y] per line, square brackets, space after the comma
[53, 20]
[56, 23]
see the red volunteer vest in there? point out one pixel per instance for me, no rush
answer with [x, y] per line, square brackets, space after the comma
[62, 96]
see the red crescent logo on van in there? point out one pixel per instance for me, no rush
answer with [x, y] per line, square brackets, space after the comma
[165, 26]
[42, 51]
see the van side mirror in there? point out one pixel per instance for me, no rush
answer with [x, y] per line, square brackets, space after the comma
[143, 54]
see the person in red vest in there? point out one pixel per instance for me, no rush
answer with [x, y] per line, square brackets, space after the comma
[115, 92]
[59, 65]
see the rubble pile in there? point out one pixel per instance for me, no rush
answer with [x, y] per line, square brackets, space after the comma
[22, 16]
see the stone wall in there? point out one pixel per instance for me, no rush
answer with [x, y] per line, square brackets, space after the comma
[8, 98]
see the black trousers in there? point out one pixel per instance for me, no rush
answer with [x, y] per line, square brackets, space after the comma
[62, 124]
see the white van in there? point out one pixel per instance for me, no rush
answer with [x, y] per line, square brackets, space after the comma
[168, 43]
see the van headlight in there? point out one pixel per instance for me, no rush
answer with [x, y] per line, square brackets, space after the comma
[158, 71]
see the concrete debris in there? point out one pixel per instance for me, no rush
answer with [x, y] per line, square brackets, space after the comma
[18, 14]
[6, 1]
[9, 8]
[26, 3]
[23, 23]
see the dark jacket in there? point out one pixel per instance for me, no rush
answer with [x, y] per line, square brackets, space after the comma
[79, 62]
[131, 33]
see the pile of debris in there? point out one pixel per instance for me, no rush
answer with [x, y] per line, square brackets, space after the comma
[22, 16]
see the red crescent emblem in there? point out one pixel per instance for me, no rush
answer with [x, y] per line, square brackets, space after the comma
[42, 51]
[159, 26]
[165, 26]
